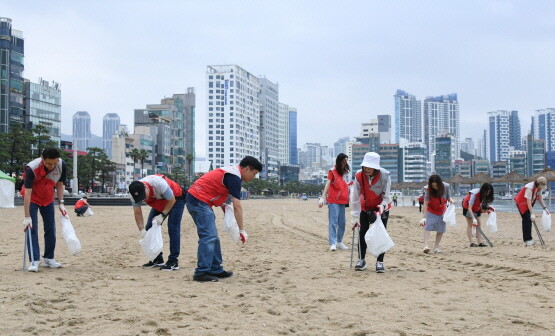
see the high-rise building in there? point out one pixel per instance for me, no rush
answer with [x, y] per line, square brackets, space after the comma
[268, 97]
[441, 116]
[283, 154]
[515, 139]
[391, 158]
[43, 107]
[468, 146]
[292, 137]
[543, 127]
[504, 134]
[535, 154]
[233, 115]
[408, 117]
[414, 164]
[81, 130]
[340, 146]
[110, 127]
[444, 155]
[384, 128]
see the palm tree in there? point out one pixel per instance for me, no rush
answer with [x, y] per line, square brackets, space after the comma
[143, 155]
[134, 154]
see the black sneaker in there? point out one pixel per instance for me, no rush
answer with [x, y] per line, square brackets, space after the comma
[205, 277]
[361, 265]
[222, 275]
[157, 262]
[379, 267]
[171, 265]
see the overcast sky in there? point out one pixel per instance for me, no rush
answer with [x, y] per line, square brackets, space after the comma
[338, 62]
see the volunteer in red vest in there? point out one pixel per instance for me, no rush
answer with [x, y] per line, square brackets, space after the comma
[370, 195]
[213, 189]
[336, 194]
[421, 201]
[435, 204]
[81, 206]
[41, 177]
[475, 202]
[525, 200]
[167, 200]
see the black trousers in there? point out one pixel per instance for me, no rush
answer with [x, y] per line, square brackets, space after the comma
[82, 210]
[364, 226]
[526, 226]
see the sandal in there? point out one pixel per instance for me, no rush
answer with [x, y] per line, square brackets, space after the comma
[482, 245]
[473, 245]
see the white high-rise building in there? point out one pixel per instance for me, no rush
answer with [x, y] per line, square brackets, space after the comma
[233, 118]
[81, 130]
[268, 97]
[441, 116]
[284, 150]
[543, 127]
[408, 117]
[110, 127]
[499, 135]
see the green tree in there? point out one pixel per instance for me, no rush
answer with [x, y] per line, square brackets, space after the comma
[42, 139]
[16, 149]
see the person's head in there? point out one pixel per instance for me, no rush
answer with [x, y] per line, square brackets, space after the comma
[435, 186]
[250, 166]
[370, 164]
[50, 157]
[85, 197]
[138, 191]
[341, 164]
[541, 183]
[486, 193]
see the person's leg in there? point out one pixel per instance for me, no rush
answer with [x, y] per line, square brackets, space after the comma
[81, 211]
[439, 235]
[340, 223]
[333, 214]
[426, 238]
[217, 260]
[468, 227]
[526, 226]
[364, 226]
[174, 228]
[478, 235]
[48, 213]
[385, 217]
[33, 209]
[205, 221]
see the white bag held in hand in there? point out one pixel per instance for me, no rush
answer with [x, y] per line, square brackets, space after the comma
[546, 221]
[152, 244]
[230, 223]
[89, 212]
[492, 222]
[449, 217]
[377, 239]
[72, 242]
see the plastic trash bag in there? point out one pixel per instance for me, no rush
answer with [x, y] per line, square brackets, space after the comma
[72, 242]
[492, 222]
[377, 239]
[546, 221]
[230, 223]
[89, 212]
[449, 217]
[152, 244]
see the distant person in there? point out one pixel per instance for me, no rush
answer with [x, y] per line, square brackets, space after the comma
[525, 200]
[81, 206]
[213, 189]
[413, 201]
[435, 204]
[395, 200]
[336, 195]
[41, 177]
[477, 201]
[421, 201]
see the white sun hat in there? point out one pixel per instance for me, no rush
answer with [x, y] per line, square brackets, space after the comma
[371, 160]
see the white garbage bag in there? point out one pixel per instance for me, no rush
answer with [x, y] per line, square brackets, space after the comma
[450, 216]
[230, 223]
[89, 212]
[546, 221]
[152, 244]
[377, 239]
[492, 222]
[72, 242]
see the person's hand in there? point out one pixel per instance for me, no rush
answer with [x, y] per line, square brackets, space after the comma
[546, 211]
[491, 209]
[474, 222]
[159, 219]
[321, 202]
[533, 217]
[423, 222]
[62, 209]
[27, 222]
[143, 233]
[243, 235]
[380, 210]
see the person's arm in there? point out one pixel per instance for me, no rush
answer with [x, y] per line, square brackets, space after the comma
[27, 202]
[528, 195]
[542, 202]
[139, 220]
[386, 196]
[238, 211]
[354, 199]
[322, 199]
[470, 205]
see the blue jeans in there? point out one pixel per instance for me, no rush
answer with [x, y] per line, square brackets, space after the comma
[174, 226]
[209, 252]
[336, 216]
[47, 214]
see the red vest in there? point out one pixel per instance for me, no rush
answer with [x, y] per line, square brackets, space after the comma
[79, 204]
[44, 182]
[160, 204]
[437, 205]
[338, 191]
[371, 194]
[520, 200]
[477, 206]
[210, 188]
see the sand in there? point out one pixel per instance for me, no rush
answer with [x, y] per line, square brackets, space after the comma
[285, 281]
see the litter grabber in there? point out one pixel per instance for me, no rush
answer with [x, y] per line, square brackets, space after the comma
[484, 235]
[538, 232]
[356, 228]
[29, 243]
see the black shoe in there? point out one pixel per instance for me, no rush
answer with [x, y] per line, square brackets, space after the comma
[171, 265]
[222, 275]
[205, 277]
[157, 262]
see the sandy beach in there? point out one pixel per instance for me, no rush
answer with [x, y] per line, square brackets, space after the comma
[285, 281]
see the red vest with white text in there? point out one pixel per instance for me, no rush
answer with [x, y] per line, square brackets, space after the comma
[338, 191]
[520, 200]
[210, 188]
[44, 182]
[371, 193]
[160, 204]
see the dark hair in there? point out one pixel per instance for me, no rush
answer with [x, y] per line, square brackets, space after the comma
[486, 199]
[51, 153]
[85, 197]
[339, 166]
[440, 187]
[253, 163]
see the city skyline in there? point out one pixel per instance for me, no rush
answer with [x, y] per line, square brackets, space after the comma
[328, 61]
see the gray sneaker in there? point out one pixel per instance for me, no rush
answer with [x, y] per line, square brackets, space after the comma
[361, 265]
[379, 267]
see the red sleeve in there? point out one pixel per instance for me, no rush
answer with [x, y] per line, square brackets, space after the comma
[330, 175]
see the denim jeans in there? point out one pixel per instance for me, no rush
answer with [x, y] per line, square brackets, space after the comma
[209, 253]
[336, 216]
[47, 213]
[174, 226]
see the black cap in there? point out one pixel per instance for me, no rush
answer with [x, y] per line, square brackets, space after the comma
[137, 191]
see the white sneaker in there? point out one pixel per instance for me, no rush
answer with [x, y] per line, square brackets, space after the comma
[34, 267]
[529, 242]
[52, 263]
[332, 247]
[342, 246]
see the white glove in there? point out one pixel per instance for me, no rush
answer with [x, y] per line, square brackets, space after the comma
[27, 222]
[143, 233]
[159, 219]
[62, 209]
[474, 222]
[533, 217]
[321, 202]
[354, 219]
[422, 222]
[243, 235]
[380, 209]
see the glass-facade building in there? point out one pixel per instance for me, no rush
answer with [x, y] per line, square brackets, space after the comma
[43, 106]
[543, 127]
[110, 127]
[81, 130]
[293, 153]
[444, 156]
[441, 116]
[12, 108]
[408, 117]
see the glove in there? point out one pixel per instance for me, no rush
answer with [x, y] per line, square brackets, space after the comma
[423, 222]
[27, 222]
[321, 202]
[355, 221]
[243, 235]
[62, 209]
[159, 219]
[533, 217]
[546, 211]
[491, 209]
[143, 233]
[474, 222]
